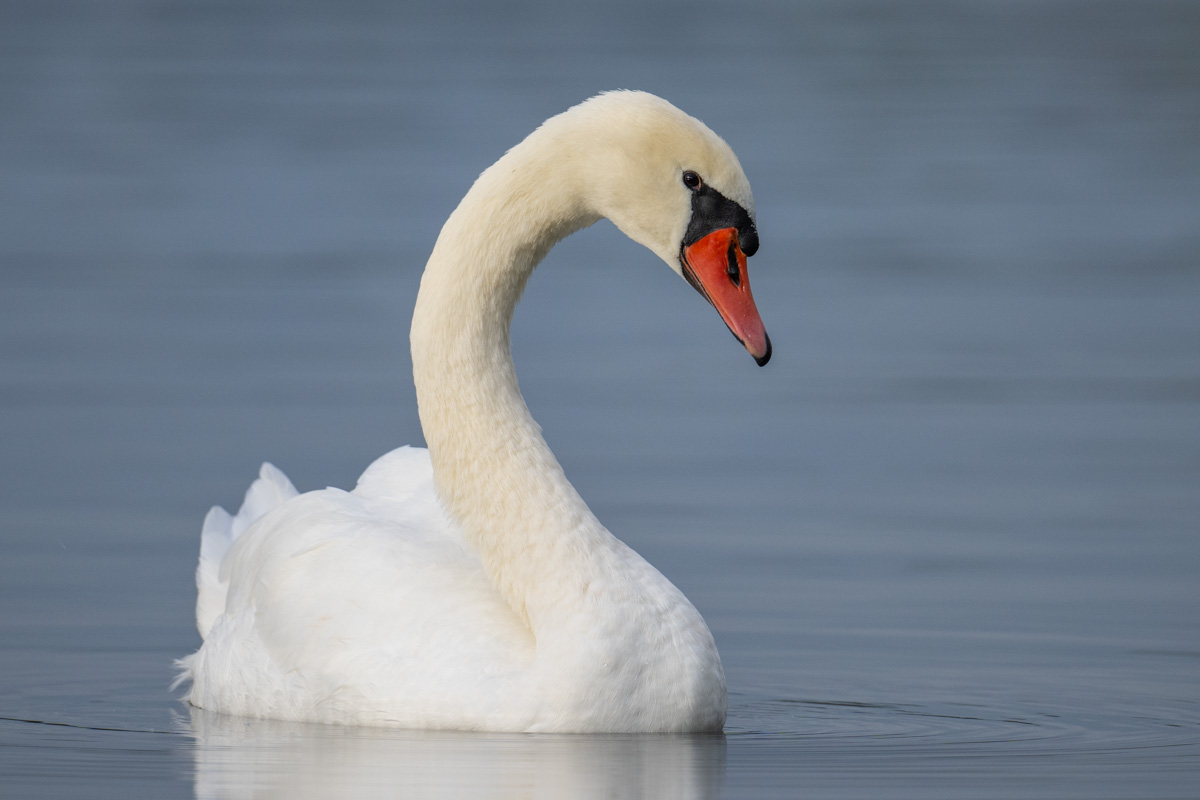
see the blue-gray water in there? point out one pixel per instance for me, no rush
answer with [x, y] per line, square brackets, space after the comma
[947, 540]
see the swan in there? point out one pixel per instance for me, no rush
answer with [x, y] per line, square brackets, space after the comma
[468, 586]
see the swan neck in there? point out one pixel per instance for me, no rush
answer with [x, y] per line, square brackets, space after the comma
[494, 472]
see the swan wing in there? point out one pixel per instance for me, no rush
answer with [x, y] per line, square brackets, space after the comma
[361, 607]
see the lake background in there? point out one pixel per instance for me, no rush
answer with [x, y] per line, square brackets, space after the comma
[947, 540]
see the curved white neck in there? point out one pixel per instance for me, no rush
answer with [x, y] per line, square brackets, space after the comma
[493, 470]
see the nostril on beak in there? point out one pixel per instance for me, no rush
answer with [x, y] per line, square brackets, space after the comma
[733, 270]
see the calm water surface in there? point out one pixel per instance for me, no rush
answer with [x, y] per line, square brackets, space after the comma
[947, 540]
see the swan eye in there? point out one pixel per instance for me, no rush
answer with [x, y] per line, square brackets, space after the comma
[692, 181]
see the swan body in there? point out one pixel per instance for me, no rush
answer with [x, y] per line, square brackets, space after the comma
[468, 586]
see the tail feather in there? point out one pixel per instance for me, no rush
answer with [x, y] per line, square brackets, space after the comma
[219, 533]
[215, 539]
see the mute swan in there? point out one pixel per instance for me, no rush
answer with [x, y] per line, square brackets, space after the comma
[469, 586]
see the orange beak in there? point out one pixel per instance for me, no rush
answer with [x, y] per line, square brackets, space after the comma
[715, 266]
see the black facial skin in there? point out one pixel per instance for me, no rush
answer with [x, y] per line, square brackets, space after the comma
[712, 211]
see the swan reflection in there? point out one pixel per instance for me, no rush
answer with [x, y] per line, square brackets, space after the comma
[245, 758]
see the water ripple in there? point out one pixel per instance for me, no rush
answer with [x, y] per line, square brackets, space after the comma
[1063, 730]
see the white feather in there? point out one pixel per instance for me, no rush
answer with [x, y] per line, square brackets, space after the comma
[220, 531]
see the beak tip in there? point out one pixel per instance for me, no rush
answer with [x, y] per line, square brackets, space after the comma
[766, 356]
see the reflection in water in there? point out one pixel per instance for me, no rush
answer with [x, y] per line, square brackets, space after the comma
[241, 758]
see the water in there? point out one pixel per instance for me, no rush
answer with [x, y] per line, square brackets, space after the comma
[946, 540]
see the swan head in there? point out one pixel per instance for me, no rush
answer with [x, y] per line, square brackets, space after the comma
[671, 184]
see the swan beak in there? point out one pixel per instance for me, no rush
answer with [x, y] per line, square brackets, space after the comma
[715, 266]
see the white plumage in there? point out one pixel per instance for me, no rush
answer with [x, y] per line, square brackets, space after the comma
[468, 586]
